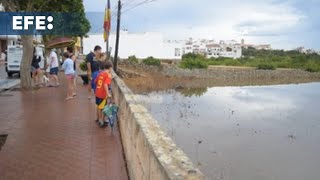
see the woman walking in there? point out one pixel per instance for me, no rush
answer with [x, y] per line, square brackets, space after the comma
[69, 72]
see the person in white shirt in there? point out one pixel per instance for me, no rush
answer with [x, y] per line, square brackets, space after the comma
[70, 74]
[54, 68]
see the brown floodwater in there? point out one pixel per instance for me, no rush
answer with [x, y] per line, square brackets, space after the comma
[244, 133]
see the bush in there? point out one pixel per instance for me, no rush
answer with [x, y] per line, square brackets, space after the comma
[192, 56]
[266, 66]
[283, 64]
[232, 62]
[83, 66]
[193, 61]
[312, 67]
[193, 64]
[133, 59]
[214, 62]
[151, 61]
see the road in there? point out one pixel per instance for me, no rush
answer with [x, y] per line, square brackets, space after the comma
[5, 82]
[3, 74]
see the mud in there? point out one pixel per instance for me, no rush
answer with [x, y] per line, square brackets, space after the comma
[144, 79]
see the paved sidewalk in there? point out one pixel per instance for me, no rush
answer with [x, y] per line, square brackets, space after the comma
[49, 138]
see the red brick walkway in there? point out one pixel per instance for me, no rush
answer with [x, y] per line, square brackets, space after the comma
[49, 138]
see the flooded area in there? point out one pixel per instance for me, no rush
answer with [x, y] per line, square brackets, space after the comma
[244, 133]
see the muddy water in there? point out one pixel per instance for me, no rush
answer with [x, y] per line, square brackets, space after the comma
[244, 133]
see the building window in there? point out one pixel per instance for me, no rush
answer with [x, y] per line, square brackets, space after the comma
[177, 52]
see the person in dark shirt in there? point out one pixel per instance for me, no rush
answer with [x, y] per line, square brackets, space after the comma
[93, 66]
[35, 68]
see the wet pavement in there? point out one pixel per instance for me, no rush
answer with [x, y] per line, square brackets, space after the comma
[49, 138]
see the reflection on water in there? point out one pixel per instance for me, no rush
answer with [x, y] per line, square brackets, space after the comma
[189, 92]
[243, 133]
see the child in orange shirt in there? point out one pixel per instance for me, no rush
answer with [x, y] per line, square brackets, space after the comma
[103, 81]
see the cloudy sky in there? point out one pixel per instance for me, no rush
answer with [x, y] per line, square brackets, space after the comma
[284, 24]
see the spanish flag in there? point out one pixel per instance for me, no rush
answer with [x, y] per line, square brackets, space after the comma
[107, 22]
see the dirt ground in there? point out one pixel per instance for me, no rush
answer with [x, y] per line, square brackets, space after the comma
[144, 79]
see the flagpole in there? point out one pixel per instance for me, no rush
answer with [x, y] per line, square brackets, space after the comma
[107, 48]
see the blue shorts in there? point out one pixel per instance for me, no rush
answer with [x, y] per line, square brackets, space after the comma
[54, 71]
[94, 76]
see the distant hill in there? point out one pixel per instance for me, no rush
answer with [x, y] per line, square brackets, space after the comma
[96, 20]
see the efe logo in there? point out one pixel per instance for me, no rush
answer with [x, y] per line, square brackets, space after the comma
[23, 22]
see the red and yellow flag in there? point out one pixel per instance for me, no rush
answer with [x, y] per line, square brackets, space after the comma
[107, 22]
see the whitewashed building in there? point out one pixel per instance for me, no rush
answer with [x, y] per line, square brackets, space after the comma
[142, 45]
[230, 49]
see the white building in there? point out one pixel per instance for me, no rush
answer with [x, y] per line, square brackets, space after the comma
[142, 45]
[258, 47]
[224, 50]
[209, 48]
[8, 40]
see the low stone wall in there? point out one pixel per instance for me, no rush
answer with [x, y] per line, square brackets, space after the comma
[150, 153]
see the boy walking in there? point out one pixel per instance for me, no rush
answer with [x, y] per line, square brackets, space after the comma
[103, 81]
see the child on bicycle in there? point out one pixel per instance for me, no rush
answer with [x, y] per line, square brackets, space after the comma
[103, 81]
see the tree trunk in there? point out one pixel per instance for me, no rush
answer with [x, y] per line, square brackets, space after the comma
[25, 68]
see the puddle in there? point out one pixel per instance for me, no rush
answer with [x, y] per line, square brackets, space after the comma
[259, 132]
[3, 138]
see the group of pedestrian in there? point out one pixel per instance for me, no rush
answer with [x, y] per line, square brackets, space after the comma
[52, 70]
[99, 73]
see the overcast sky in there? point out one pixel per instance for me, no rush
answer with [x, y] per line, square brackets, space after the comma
[284, 24]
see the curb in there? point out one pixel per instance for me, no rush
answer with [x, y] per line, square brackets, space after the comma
[6, 84]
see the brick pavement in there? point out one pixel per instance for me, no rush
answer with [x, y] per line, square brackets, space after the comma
[49, 138]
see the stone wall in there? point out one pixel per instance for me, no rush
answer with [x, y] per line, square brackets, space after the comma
[150, 153]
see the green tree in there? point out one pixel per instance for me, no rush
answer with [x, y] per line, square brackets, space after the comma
[79, 22]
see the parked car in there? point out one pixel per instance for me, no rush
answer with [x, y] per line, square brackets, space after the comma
[14, 57]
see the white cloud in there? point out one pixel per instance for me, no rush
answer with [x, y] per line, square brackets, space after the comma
[259, 21]
[220, 19]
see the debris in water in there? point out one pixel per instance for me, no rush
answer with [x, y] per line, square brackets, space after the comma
[291, 136]
[214, 152]
[192, 171]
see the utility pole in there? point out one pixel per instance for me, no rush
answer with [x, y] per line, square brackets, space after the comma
[115, 63]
